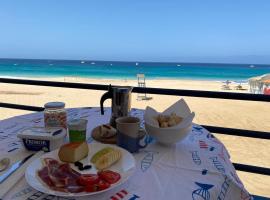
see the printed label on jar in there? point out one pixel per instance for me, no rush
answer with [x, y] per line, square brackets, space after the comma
[55, 120]
[52, 122]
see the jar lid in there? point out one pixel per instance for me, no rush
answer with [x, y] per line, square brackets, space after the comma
[54, 105]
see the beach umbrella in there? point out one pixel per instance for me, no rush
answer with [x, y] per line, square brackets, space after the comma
[260, 78]
[256, 83]
[227, 82]
[266, 82]
[265, 77]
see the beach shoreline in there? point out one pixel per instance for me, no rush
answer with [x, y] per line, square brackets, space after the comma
[58, 78]
[173, 83]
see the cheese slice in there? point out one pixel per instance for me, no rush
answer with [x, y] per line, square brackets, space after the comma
[73, 152]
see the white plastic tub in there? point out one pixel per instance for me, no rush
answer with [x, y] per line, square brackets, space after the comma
[39, 138]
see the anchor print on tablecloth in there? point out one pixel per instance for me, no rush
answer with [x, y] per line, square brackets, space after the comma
[134, 197]
[224, 188]
[147, 160]
[217, 164]
[210, 136]
[211, 148]
[197, 130]
[203, 192]
[204, 171]
[195, 157]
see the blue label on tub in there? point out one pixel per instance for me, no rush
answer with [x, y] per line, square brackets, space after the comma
[37, 145]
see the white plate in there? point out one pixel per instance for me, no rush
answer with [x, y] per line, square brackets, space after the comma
[125, 167]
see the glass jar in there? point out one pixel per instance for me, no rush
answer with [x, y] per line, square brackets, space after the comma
[55, 115]
[77, 130]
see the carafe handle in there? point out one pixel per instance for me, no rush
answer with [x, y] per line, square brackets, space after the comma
[107, 95]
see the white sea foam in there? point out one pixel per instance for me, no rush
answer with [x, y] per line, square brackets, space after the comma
[14, 77]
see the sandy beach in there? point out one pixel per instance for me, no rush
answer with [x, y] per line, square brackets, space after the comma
[217, 112]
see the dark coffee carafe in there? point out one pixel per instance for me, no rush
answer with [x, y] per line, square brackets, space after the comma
[121, 102]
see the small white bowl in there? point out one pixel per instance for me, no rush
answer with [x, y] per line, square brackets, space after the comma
[168, 136]
[173, 134]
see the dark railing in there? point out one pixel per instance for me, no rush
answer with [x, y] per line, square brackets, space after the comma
[162, 91]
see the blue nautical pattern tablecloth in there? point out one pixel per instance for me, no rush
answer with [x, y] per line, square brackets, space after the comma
[199, 167]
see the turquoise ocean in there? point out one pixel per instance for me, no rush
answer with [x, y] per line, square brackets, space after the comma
[128, 70]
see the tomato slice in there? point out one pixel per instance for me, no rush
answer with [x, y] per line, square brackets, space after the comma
[109, 176]
[88, 179]
[102, 185]
[91, 188]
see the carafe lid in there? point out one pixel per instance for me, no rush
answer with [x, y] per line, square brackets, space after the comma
[123, 89]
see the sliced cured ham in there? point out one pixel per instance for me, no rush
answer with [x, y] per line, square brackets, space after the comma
[44, 175]
[61, 177]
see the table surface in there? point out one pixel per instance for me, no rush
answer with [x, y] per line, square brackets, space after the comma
[198, 167]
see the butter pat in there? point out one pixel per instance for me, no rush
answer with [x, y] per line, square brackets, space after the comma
[73, 152]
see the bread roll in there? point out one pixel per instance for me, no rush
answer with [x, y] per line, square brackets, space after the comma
[107, 131]
[165, 121]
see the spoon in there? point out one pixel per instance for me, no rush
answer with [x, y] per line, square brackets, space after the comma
[4, 163]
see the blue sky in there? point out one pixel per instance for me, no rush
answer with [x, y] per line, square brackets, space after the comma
[141, 30]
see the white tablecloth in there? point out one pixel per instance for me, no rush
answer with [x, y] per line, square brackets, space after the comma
[199, 167]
